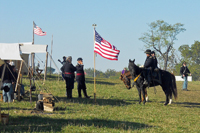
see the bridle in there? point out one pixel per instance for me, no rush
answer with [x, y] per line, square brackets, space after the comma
[127, 80]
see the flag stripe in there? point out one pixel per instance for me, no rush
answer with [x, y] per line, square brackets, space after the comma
[107, 54]
[106, 51]
[107, 57]
[38, 31]
[104, 48]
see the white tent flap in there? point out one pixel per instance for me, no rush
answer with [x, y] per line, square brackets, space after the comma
[9, 51]
[28, 49]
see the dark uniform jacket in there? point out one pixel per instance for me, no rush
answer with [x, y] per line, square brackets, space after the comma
[149, 62]
[68, 70]
[155, 62]
[8, 77]
[80, 76]
[184, 70]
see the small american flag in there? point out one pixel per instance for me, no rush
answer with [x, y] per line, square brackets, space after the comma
[38, 31]
[104, 48]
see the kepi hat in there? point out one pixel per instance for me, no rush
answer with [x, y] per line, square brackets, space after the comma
[79, 59]
[152, 52]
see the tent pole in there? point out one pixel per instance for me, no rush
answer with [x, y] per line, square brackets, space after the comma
[54, 64]
[33, 54]
[45, 72]
[17, 86]
[18, 75]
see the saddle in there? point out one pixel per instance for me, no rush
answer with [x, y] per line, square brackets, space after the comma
[156, 75]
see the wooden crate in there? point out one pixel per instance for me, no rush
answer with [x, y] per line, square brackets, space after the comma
[48, 107]
[4, 118]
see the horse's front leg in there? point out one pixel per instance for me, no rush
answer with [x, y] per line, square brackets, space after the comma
[139, 93]
[143, 94]
[146, 96]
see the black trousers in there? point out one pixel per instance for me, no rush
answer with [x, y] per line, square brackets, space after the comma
[69, 86]
[81, 86]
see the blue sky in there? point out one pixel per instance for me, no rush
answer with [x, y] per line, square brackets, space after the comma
[121, 22]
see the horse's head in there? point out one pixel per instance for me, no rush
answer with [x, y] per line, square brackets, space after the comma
[126, 78]
[131, 66]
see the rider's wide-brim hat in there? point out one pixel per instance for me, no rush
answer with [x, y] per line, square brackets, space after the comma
[148, 51]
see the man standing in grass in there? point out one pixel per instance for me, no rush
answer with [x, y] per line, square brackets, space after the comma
[80, 78]
[184, 72]
[68, 70]
[7, 81]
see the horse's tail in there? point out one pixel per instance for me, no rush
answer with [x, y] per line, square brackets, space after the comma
[174, 88]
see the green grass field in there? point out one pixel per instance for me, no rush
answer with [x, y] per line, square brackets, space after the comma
[117, 110]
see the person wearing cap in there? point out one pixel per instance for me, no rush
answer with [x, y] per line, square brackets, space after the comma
[184, 72]
[148, 65]
[154, 59]
[63, 62]
[80, 78]
[8, 80]
[68, 69]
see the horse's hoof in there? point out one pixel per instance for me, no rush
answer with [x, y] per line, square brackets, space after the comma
[165, 104]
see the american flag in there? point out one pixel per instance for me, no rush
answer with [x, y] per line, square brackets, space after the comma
[104, 48]
[38, 31]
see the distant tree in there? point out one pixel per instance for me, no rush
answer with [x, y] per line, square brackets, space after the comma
[161, 37]
[110, 72]
[191, 55]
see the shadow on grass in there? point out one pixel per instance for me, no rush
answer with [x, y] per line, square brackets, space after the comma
[46, 124]
[113, 102]
[98, 81]
[189, 104]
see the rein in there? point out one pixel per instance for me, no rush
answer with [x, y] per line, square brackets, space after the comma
[137, 77]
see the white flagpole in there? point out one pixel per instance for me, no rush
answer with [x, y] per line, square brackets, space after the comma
[94, 68]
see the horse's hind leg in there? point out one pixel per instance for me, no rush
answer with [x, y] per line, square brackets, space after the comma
[167, 95]
[139, 93]
[170, 100]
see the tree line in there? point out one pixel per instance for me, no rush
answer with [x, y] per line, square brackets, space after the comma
[109, 73]
[161, 38]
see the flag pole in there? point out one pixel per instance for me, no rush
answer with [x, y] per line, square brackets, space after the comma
[32, 63]
[94, 68]
[51, 53]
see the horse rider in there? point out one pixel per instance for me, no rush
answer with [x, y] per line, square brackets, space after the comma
[68, 70]
[123, 71]
[154, 60]
[80, 78]
[148, 65]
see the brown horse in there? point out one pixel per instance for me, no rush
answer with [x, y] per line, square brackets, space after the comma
[126, 78]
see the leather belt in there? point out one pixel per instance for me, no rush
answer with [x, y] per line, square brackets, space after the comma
[79, 74]
[68, 73]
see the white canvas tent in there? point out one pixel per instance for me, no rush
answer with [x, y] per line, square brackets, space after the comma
[9, 51]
